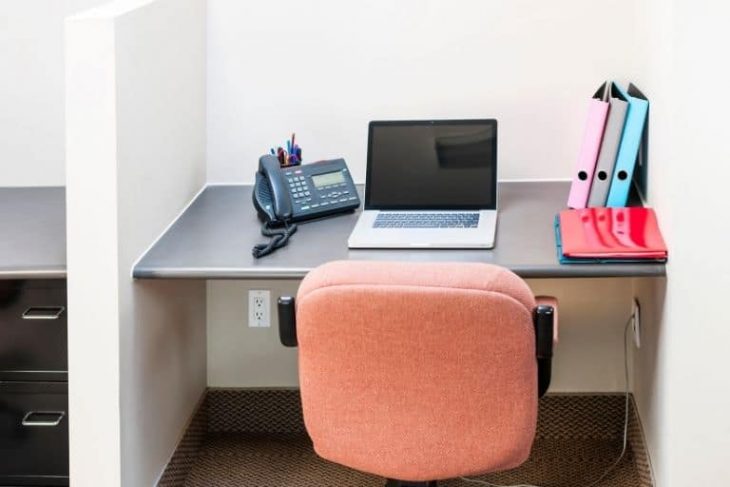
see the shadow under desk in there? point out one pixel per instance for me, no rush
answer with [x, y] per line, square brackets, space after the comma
[213, 239]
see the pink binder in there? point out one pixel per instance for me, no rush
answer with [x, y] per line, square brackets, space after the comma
[583, 177]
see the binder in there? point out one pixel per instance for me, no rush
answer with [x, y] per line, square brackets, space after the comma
[618, 105]
[583, 176]
[628, 150]
[611, 233]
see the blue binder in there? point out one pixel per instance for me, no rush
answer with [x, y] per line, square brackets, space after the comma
[628, 151]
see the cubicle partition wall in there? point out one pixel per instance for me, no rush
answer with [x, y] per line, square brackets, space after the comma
[135, 119]
[343, 64]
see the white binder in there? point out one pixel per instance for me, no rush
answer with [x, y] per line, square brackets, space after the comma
[609, 147]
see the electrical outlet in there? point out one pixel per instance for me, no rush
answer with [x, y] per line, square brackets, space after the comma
[259, 308]
[636, 322]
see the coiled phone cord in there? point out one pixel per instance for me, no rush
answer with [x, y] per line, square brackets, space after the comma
[279, 238]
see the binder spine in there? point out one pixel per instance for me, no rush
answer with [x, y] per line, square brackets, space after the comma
[618, 193]
[583, 177]
[607, 154]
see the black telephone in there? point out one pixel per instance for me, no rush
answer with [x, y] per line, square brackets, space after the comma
[285, 195]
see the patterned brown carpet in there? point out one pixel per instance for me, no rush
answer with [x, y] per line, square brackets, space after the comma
[257, 439]
[283, 460]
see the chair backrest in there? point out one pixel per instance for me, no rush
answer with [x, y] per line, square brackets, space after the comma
[418, 371]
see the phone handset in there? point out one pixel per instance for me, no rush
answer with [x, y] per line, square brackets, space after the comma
[273, 202]
[280, 197]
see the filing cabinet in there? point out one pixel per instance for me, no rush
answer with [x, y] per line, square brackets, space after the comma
[33, 383]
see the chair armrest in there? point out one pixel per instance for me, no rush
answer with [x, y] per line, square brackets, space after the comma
[545, 335]
[287, 321]
[552, 302]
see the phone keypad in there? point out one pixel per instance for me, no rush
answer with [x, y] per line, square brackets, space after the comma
[299, 189]
[312, 199]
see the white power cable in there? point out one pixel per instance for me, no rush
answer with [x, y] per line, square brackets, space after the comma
[626, 428]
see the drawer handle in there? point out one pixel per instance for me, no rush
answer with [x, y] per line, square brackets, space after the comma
[43, 313]
[43, 418]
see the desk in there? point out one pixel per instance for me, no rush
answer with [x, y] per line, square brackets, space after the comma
[213, 238]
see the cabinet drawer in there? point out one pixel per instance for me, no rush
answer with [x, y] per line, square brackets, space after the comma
[33, 343]
[33, 433]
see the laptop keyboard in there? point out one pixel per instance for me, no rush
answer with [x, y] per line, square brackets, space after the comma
[426, 220]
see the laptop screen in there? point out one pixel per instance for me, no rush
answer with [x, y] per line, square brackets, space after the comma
[432, 165]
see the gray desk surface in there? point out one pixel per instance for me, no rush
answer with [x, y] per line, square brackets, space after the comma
[33, 242]
[213, 239]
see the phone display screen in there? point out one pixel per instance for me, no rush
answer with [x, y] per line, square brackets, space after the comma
[328, 179]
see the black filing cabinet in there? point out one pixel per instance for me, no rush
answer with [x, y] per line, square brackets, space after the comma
[33, 382]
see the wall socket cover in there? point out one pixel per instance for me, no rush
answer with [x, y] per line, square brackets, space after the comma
[259, 308]
[636, 322]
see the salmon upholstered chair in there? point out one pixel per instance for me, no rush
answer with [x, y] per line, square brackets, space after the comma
[419, 371]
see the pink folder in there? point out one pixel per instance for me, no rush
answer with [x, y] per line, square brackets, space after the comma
[583, 176]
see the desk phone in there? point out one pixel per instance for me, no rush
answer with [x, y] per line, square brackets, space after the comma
[298, 193]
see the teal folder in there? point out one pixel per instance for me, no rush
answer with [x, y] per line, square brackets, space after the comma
[628, 151]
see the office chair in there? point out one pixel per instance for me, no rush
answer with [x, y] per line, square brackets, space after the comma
[419, 372]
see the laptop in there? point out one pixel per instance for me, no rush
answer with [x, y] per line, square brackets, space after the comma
[429, 184]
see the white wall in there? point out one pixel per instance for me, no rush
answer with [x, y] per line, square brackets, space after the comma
[136, 148]
[32, 90]
[336, 65]
[239, 356]
[682, 385]
[589, 358]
